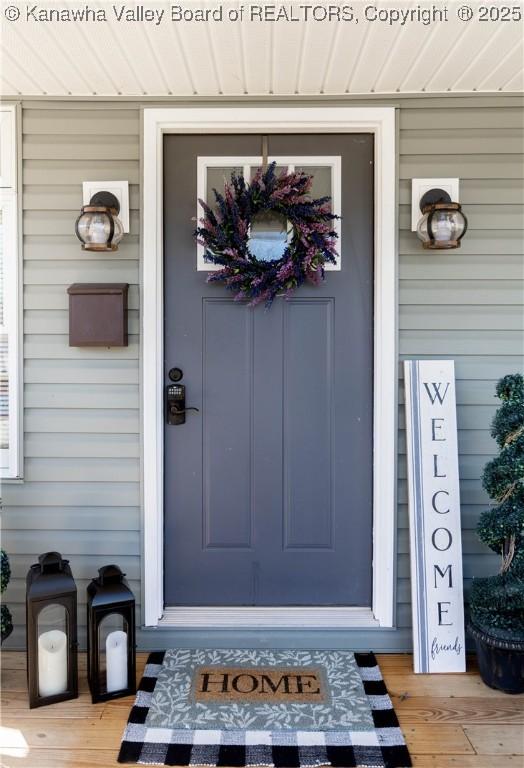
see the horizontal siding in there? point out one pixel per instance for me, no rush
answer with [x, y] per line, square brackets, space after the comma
[69, 493]
[81, 147]
[59, 122]
[59, 273]
[49, 346]
[36, 172]
[453, 141]
[475, 166]
[92, 395]
[460, 117]
[68, 470]
[83, 445]
[445, 342]
[80, 419]
[108, 544]
[460, 266]
[460, 318]
[81, 492]
[108, 371]
[447, 292]
[37, 247]
[72, 518]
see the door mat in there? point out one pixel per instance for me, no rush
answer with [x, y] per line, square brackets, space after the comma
[285, 709]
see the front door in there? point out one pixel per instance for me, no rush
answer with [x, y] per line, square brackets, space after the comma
[268, 487]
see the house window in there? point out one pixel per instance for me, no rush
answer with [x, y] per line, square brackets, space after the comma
[10, 464]
[213, 172]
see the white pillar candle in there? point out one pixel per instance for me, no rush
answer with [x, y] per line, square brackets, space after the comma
[442, 228]
[52, 663]
[116, 661]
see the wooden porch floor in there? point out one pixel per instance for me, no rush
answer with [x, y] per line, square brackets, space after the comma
[448, 720]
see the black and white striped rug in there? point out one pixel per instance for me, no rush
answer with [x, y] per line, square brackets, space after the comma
[263, 708]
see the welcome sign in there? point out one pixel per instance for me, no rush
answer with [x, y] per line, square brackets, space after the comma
[434, 516]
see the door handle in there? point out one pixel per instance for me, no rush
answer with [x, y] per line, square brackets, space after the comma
[176, 404]
[176, 409]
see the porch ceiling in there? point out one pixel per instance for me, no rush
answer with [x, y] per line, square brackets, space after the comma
[257, 58]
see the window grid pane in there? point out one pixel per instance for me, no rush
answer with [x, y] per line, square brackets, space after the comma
[217, 178]
[322, 179]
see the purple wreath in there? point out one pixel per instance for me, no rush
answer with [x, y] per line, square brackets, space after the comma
[224, 233]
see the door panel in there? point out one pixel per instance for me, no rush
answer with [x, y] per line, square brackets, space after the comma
[226, 400]
[308, 428]
[268, 488]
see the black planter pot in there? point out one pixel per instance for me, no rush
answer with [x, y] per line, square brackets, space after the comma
[501, 661]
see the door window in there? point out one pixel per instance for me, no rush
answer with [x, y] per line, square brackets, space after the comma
[269, 234]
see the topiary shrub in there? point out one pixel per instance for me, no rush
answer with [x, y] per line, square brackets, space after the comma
[497, 602]
[5, 575]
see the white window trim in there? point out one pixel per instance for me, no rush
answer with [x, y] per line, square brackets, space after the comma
[187, 120]
[246, 162]
[11, 458]
[8, 155]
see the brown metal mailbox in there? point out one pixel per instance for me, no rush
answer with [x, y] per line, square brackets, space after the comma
[98, 314]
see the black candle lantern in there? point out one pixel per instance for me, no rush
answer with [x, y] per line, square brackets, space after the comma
[111, 656]
[52, 673]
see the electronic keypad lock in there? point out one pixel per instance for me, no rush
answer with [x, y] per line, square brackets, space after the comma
[176, 404]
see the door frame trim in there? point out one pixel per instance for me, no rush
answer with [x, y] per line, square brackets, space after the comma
[381, 121]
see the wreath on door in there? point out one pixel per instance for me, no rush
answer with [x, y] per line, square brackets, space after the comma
[301, 244]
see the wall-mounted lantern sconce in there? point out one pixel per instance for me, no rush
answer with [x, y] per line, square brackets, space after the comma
[98, 227]
[442, 224]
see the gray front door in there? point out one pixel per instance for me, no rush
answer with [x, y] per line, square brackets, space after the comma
[268, 488]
